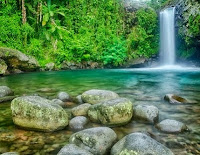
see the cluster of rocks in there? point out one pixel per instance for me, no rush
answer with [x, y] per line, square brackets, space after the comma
[99, 106]
[14, 61]
[67, 65]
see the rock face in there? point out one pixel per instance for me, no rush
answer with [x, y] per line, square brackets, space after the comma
[3, 67]
[50, 66]
[71, 149]
[96, 96]
[114, 112]
[78, 123]
[81, 110]
[171, 126]
[146, 113]
[95, 140]
[5, 91]
[63, 96]
[17, 60]
[36, 113]
[174, 99]
[139, 144]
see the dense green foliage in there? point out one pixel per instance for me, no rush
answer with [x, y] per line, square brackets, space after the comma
[143, 40]
[77, 31]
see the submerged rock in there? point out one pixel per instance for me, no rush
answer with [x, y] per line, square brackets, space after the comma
[36, 113]
[5, 91]
[63, 96]
[96, 96]
[174, 99]
[58, 102]
[95, 140]
[6, 98]
[113, 112]
[81, 110]
[78, 123]
[71, 149]
[146, 113]
[10, 153]
[171, 126]
[139, 144]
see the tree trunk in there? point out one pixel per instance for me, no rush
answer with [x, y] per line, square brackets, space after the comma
[23, 12]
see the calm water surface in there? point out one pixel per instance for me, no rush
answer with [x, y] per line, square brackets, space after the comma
[141, 86]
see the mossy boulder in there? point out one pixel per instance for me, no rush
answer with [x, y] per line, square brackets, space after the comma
[171, 126]
[98, 140]
[71, 149]
[113, 112]
[96, 96]
[139, 144]
[175, 99]
[81, 110]
[37, 113]
[18, 60]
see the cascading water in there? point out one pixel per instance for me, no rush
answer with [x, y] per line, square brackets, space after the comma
[167, 37]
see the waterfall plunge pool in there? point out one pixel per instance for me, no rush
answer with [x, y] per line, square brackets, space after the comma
[141, 86]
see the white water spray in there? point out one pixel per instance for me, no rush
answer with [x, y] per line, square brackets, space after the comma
[167, 37]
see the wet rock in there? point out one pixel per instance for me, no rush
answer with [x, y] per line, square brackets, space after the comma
[59, 102]
[139, 143]
[63, 96]
[96, 96]
[3, 67]
[146, 113]
[79, 99]
[5, 91]
[81, 110]
[113, 112]
[17, 60]
[78, 123]
[10, 153]
[171, 126]
[50, 66]
[17, 71]
[47, 90]
[6, 98]
[95, 140]
[36, 113]
[174, 99]
[71, 149]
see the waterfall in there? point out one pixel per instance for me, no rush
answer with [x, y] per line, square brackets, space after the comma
[167, 37]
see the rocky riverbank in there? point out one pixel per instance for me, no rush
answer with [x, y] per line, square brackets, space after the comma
[106, 108]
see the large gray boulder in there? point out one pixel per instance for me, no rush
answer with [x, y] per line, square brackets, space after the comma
[98, 140]
[113, 112]
[3, 67]
[81, 110]
[171, 126]
[96, 96]
[5, 91]
[78, 123]
[139, 144]
[147, 113]
[37, 113]
[18, 60]
[71, 149]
